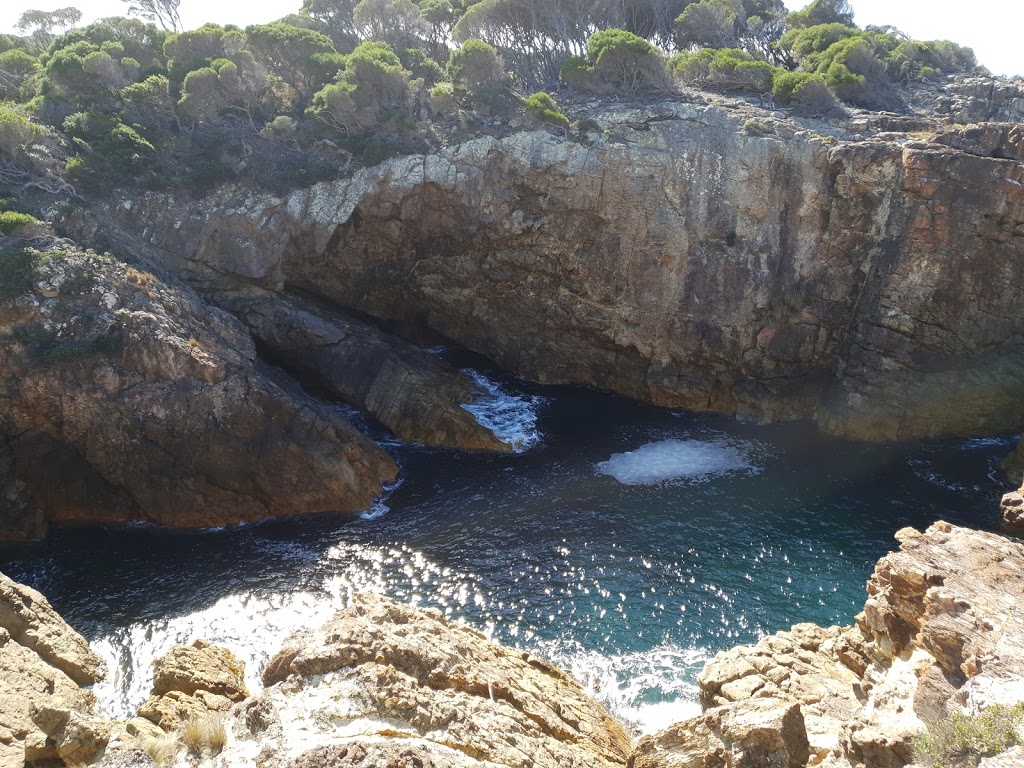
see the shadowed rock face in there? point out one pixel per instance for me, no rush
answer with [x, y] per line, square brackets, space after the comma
[411, 392]
[127, 399]
[872, 284]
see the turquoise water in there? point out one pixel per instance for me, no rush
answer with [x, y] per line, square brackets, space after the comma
[627, 543]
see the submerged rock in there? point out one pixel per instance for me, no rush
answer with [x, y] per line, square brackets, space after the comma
[941, 629]
[126, 398]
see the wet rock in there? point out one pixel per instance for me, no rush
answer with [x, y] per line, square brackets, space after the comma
[411, 392]
[392, 683]
[129, 399]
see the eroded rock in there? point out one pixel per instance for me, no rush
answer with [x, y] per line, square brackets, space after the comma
[870, 282]
[411, 392]
[129, 399]
[941, 629]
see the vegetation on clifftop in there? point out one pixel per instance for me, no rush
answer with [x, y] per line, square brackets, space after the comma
[340, 83]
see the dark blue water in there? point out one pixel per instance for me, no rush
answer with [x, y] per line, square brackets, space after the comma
[714, 534]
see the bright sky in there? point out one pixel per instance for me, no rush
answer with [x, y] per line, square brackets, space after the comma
[992, 28]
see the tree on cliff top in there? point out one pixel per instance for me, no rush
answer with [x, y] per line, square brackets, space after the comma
[163, 12]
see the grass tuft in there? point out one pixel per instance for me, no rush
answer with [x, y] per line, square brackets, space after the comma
[163, 749]
[205, 732]
[960, 741]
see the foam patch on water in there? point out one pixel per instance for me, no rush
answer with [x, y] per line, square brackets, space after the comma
[380, 506]
[649, 690]
[674, 460]
[512, 418]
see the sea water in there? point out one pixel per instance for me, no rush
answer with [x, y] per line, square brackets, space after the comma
[624, 542]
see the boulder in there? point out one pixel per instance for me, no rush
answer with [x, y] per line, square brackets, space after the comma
[391, 683]
[192, 681]
[127, 398]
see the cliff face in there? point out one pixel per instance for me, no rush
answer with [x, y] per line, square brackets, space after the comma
[124, 398]
[698, 256]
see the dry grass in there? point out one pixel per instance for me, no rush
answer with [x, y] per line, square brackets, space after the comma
[163, 749]
[961, 741]
[133, 275]
[205, 732]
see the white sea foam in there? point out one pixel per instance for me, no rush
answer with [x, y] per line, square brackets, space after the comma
[675, 459]
[649, 690]
[512, 418]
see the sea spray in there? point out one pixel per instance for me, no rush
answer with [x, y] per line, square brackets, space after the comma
[511, 417]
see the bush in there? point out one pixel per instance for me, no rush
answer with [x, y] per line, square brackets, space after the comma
[960, 741]
[542, 108]
[617, 61]
[442, 99]
[11, 220]
[476, 66]
[725, 68]
[805, 91]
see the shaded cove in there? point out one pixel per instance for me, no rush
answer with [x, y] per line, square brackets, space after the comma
[624, 542]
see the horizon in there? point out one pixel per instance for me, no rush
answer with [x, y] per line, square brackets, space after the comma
[996, 45]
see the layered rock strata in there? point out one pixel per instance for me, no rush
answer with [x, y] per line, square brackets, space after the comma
[941, 630]
[411, 392]
[706, 256]
[45, 714]
[125, 398]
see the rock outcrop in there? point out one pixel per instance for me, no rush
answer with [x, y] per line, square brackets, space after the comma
[1011, 512]
[192, 681]
[941, 628]
[411, 392]
[390, 680]
[125, 398]
[789, 270]
[44, 711]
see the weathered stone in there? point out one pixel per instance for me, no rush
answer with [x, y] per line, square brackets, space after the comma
[31, 621]
[130, 399]
[200, 667]
[381, 670]
[42, 709]
[411, 392]
[82, 739]
[871, 284]
[1011, 513]
[746, 733]
[941, 629]
[192, 681]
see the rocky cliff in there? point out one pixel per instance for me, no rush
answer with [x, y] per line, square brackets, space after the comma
[941, 632]
[127, 398]
[386, 684]
[706, 254]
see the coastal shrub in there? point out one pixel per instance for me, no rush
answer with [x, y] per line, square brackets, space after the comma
[729, 69]
[542, 108]
[442, 99]
[12, 220]
[617, 61]
[960, 740]
[475, 67]
[805, 91]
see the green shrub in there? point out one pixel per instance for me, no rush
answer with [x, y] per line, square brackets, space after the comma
[542, 108]
[442, 99]
[805, 91]
[755, 128]
[11, 220]
[960, 741]
[617, 61]
[725, 68]
[476, 66]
